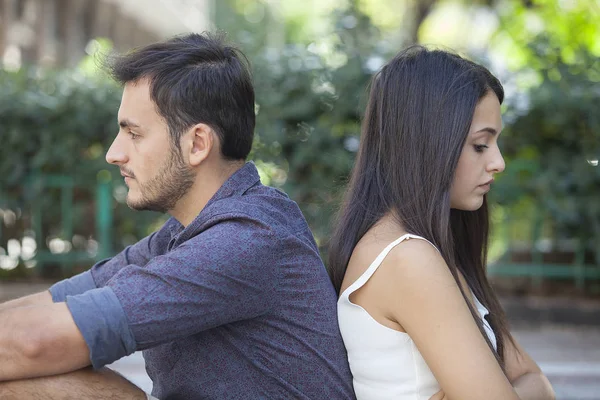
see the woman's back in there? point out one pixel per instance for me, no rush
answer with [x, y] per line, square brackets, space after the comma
[385, 361]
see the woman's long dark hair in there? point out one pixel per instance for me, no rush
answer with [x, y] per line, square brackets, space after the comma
[419, 113]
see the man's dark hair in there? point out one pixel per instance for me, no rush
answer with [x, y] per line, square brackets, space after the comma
[196, 78]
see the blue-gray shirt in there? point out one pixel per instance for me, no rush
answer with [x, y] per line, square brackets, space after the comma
[237, 305]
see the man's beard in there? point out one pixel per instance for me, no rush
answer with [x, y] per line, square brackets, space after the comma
[162, 192]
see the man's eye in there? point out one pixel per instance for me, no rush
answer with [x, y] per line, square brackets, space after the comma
[134, 136]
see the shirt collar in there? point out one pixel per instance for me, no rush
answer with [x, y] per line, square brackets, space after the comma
[241, 180]
[237, 184]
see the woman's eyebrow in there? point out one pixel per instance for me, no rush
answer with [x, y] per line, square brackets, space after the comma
[489, 130]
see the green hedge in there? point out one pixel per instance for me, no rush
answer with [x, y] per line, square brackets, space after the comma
[308, 113]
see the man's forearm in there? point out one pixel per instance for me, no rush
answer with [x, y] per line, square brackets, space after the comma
[534, 386]
[42, 298]
[81, 384]
[39, 340]
[57, 293]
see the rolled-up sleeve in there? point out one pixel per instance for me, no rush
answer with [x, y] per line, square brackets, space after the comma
[224, 274]
[102, 322]
[76, 285]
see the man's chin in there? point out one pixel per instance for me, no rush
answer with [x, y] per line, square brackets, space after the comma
[136, 204]
[141, 205]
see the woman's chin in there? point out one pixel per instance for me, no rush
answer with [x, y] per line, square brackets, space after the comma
[469, 205]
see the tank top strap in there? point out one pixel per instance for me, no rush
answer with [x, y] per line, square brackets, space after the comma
[376, 263]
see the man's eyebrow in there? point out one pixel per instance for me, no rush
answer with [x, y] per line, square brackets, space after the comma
[489, 130]
[127, 123]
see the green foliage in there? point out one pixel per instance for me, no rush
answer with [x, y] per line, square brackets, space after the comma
[52, 123]
[309, 111]
[59, 123]
[552, 135]
[559, 29]
[310, 98]
[552, 146]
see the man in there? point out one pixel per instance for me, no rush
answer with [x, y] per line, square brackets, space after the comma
[228, 300]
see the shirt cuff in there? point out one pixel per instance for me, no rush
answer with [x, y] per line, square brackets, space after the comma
[76, 285]
[101, 320]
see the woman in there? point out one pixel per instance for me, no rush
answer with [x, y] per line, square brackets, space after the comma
[417, 314]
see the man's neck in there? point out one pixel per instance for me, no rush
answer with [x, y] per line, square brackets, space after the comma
[204, 188]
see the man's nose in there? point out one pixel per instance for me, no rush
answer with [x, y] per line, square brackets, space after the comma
[116, 153]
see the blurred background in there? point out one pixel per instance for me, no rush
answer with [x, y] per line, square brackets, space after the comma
[62, 207]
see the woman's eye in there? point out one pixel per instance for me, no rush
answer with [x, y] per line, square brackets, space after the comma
[133, 135]
[480, 147]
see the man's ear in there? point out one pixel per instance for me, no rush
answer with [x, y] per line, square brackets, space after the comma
[203, 140]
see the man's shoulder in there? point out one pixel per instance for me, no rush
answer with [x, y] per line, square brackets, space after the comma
[260, 203]
[262, 216]
[231, 220]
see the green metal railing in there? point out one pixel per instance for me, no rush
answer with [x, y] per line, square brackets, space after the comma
[578, 271]
[538, 270]
[36, 185]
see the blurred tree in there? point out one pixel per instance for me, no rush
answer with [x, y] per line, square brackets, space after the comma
[310, 94]
[309, 104]
[532, 35]
[60, 123]
[556, 138]
[310, 97]
[552, 138]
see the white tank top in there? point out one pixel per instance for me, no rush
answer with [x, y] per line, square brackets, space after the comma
[385, 363]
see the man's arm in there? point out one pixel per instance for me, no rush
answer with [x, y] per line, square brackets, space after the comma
[40, 340]
[84, 383]
[42, 298]
[55, 294]
[101, 272]
[202, 284]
